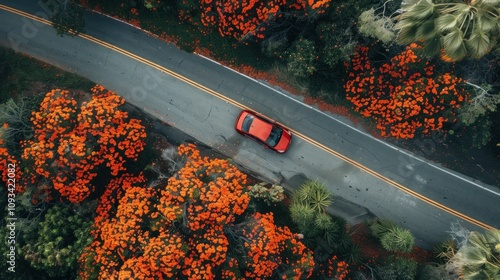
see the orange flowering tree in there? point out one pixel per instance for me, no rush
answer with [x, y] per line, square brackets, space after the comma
[404, 96]
[74, 140]
[186, 228]
[9, 168]
[248, 18]
[270, 248]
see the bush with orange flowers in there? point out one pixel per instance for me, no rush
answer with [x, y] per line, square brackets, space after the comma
[9, 169]
[404, 96]
[186, 229]
[75, 141]
[248, 18]
[333, 268]
[269, 247]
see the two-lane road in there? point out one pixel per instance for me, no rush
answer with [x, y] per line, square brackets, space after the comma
[202, 98]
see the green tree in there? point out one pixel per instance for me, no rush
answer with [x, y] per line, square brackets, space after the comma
[315, 195]
[476, 114]
[392, 237]
[398, 240]
[16, 114]
[480, 256]
[454, 30]
[336, 43]
[301, 58]
[398, 268]
[325, 234]
[432, 272]
[377, 26]
[67, 17]
[60, 239]
[482, 102]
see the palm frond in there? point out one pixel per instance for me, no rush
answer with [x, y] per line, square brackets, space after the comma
[478, 44]
[446, 22]
[453, 44]
[423, 10]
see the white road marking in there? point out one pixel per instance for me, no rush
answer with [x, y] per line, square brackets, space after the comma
[359, 131]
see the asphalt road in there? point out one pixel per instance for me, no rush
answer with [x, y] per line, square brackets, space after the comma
[210, 120]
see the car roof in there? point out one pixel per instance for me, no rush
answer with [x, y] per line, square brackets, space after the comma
[260, 128]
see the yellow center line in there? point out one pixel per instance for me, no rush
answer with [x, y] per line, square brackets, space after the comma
[237, 104]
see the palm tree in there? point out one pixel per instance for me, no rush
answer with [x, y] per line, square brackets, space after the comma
[481, 256]
[301, 213]
[455, 30]
[398, 240]
[314, 194]
[379, 227]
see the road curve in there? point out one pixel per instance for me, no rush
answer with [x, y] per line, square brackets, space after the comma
[202, 98]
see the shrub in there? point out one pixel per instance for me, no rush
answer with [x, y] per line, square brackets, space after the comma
[398, 240]
[301, 58]
[392, 237]
[60, 241]
[379, 227]
[315, 195]
[398, 269]
[269, 195]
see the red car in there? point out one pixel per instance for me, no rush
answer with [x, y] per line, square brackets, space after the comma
[270, 134]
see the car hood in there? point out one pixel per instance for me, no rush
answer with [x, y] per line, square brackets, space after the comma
[284, 142]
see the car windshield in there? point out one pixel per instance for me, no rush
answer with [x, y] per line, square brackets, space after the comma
[274, 137]
[247, 122]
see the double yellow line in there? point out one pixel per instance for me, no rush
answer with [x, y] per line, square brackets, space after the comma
[237, 104]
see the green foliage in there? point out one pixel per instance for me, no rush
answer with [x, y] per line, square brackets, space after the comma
[271, 195]
[481, 102]
[301, 58]
[398, 268]
[324, 221]
[480, 255]
[392, 237]
[322, 233]
[432, 272]
[315, 195]
[379, 227]
[17, 116]
[445, 250]
[459, 29]
[398, 240]
[301, 214]
[60, 240]
[274, 46]
[478, 134]
[378, 27]
[67, 17]
[336, 44]
[353, 255]
[476, 113]
[25, 74]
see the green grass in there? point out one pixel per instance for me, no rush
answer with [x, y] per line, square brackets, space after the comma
[19, 73]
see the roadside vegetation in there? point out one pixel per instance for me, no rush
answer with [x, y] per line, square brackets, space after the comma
[408, 71]
[134, 206]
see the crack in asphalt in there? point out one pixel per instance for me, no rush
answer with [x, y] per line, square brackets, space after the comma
[301, 119]
[180, 62]
[208, 116]
[362, 148]
[106, 62]
[220, 75]
[280, 176]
